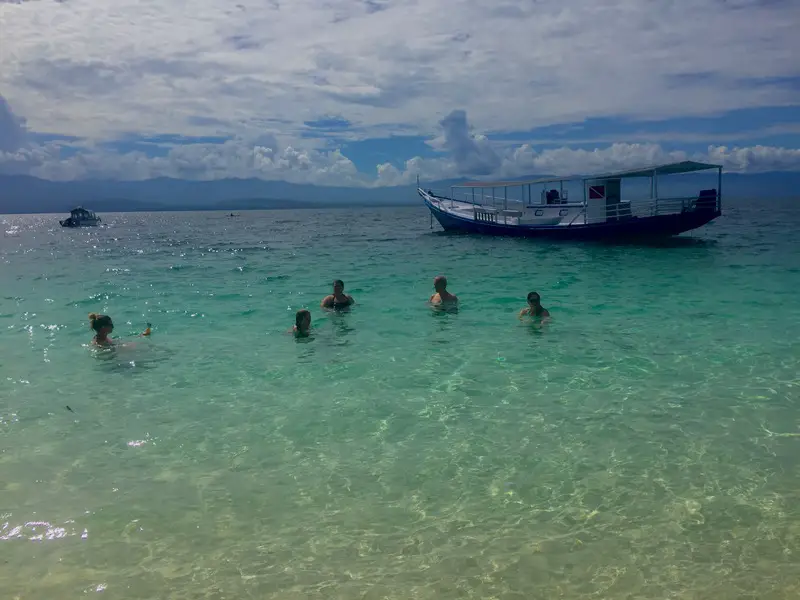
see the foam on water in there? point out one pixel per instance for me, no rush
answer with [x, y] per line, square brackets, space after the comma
[644, 444]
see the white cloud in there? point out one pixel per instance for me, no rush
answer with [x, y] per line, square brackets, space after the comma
[238, 159]
[463, 154]
[232, 159]
[97, 69]
[12, 128]
[756, 158]
[525, 161]
[474, 155]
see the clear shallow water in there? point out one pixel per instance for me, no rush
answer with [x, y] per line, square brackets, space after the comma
[645, 444]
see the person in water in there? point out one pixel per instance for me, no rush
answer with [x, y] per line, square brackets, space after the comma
[338, 299]
[302, 323]
[102, 325]
[534, 308]
[442, 297]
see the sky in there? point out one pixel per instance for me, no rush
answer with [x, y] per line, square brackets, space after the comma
[377, 92]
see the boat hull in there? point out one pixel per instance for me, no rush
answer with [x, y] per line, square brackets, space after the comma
[633, 227]
[71, 223]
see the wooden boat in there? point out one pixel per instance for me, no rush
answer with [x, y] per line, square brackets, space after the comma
[601, 212]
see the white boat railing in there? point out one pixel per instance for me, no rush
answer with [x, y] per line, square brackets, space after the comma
[489, 200]
[646, 207]
[587, 213]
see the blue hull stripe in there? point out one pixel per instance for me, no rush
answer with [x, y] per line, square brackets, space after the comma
[658, 226]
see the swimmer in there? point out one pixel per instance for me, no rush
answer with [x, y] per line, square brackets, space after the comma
[302, 323]
[534, 308]
[442, 296]
[338, 299]
[102, 325]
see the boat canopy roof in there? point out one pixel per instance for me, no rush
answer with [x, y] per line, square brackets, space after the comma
[686, 166]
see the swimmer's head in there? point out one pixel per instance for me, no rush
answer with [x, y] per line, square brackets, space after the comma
[534, 299]
[338, 286]
[101, 324]
[440, 283]
[302, 319]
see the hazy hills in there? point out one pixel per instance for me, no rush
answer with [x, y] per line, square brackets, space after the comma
[22, 193]
[26, 194]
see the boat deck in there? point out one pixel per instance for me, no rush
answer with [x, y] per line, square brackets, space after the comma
[516, 215]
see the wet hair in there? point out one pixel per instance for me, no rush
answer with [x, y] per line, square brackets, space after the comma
[97, 322]
[532, 295]
[440, 279]
[300, 316]
[338, 282]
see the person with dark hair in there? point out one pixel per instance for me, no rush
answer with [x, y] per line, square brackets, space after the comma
[442, 297]
[338, 299]
[102, 325]
[302, 323]
[534, 308]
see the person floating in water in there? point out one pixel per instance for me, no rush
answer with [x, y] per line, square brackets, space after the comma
[103, 326]
[302, 323]
[338, 299]
[442, 297]
[534, 308]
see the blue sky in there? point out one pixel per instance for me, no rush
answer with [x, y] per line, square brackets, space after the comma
[352, 92]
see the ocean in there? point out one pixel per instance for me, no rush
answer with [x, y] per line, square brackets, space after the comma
[645, 443]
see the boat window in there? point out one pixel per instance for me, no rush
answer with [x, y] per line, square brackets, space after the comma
[539, 212]
[563, 212]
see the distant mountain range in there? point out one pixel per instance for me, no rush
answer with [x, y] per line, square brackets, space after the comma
[26, 194]
[23, 193]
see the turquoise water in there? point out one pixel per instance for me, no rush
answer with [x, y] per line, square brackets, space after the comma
[644, 444]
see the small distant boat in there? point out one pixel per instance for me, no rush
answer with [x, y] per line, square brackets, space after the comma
[80, 217]
[600, 214]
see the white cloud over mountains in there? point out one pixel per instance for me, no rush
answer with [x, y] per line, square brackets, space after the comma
[476, 156]
[463, 153]
[98, 69]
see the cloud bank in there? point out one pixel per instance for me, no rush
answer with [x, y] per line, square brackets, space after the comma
[12, 128]
[98, 69]
[277, 90]
[463, 154]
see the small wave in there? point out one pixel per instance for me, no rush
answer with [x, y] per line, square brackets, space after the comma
[94, 299]
[250, 250]
[36, 531]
